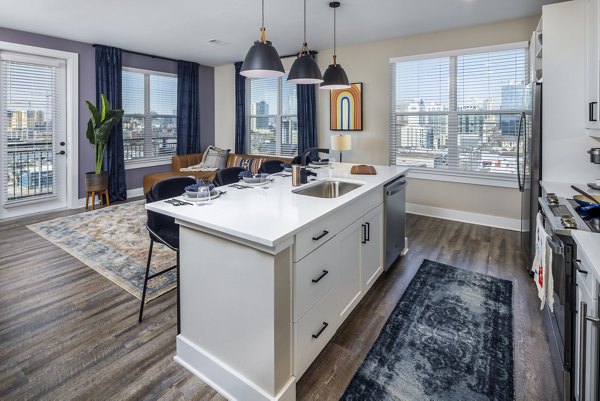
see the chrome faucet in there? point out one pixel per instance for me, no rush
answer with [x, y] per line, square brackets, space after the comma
[304, 173]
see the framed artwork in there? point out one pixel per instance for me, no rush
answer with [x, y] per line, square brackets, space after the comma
[345, 108]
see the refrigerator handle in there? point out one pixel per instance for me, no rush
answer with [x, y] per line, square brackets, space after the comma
[521, 185]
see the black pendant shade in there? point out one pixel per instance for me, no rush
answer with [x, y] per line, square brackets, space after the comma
[262, 61]
[305, 71]
[335, 78]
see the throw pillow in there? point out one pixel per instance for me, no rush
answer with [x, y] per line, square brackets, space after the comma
[215, 157]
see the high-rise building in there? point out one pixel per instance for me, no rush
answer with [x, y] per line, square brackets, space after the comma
[262, 109]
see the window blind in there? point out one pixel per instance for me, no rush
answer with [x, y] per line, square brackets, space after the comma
[272, 123]
[459, 112]
[32, 106]
[150, 120]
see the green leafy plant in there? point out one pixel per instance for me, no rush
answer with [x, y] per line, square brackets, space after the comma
[99, 127]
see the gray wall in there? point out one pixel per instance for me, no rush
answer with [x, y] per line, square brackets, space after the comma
[87, 91]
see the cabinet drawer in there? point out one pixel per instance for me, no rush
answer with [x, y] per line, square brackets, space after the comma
[322, 230]
[314, 276]
[313, 332]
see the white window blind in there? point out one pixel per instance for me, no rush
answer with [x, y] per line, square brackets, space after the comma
[271, 117]
[459, 112]
[150, 119]
[32, 106]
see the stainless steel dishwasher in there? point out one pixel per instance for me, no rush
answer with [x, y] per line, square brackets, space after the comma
[395, 219]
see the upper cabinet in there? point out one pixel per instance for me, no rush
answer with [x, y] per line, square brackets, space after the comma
[535, 54]
[592, 69]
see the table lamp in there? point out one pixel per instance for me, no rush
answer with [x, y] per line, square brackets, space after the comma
[341, 143]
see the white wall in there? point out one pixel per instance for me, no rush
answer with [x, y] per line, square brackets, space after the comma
[565, 139]
[369, 63]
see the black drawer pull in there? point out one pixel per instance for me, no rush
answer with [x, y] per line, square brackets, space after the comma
[321, 330]
[363, 240]
[582, 271]
[591, 111]
[368, 238]
[320, 236]
[316, 280]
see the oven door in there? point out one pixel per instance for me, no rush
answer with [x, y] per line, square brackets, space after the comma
[559, 294]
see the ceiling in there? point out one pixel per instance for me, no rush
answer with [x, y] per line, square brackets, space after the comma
[181, 28]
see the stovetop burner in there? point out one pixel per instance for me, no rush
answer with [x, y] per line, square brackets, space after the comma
[591, 217]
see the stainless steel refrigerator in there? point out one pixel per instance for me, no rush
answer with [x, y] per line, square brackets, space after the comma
[529, 168]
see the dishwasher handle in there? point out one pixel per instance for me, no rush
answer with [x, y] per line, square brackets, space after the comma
[395, 187]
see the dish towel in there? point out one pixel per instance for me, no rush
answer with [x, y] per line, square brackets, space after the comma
[542, 264]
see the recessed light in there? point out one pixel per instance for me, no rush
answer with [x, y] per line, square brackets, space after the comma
[217, 42]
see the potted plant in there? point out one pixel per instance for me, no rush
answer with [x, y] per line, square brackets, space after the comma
[99, 128]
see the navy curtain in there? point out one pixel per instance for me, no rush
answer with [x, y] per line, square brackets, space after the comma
[109, 82]
[307, 117]
[240, 110]
[188, 132]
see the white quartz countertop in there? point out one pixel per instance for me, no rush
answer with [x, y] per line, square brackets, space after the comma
[270, 217]
[590, 244]
[564, 190]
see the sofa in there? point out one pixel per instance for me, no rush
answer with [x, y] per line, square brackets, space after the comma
[248, 162]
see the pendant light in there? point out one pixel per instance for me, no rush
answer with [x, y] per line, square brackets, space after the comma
[305, 70]
[335, 77]
[262, 60]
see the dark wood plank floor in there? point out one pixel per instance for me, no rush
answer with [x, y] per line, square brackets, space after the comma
[66, 332]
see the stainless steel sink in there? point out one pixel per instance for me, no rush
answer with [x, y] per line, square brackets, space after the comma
[327, 189]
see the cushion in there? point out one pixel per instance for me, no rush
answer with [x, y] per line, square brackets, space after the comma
[215, 157]
[198, 167]
[251, 164]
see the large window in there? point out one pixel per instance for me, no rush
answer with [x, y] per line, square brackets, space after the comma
[272, 123]
[150, 120]
[459, 112]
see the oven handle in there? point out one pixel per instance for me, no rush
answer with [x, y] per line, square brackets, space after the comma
[583, 319]
[556, 246]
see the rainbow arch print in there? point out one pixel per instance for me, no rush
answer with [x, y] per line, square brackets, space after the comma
[346, 108]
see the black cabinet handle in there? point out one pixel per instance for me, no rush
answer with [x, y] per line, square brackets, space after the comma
[62, 152]
[363, 240]
[316, 280]
[320, 236]
[368, 231]
[591, 111]
[321, 330]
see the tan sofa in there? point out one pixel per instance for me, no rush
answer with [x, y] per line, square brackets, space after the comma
[181, 161]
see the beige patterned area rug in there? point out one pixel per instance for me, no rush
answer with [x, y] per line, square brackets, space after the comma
[114, 241]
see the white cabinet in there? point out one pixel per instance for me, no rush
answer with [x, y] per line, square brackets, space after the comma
[586, 334]
[372, 249]
[332, 276]
[349, 285]
[592, 66]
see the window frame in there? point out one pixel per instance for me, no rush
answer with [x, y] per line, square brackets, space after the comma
[458, 176]
[278, 117]
[147, 117]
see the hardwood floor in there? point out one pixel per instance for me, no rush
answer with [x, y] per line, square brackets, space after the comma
[67, 332]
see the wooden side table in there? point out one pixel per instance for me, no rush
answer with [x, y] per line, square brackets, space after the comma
[93, 194]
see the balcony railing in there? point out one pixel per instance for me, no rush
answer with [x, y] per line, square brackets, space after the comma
[29, 170]
[137, 148]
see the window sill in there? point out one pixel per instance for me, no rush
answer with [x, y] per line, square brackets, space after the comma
[132, 165]
[463, 178]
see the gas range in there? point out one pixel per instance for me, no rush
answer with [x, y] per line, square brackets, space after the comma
[564, 215]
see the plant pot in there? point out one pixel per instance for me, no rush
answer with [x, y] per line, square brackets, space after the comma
[96, 182]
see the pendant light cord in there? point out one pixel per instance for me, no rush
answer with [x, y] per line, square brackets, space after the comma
[334, 55]
[263, 35]
[304, 22]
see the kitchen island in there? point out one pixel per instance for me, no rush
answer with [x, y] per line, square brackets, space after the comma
[268, 275]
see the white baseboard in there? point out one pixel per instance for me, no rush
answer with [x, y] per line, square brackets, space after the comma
[224, 379]
[465, 217]
[131, 193]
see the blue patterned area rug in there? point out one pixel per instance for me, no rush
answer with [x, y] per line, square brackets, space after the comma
[449, 338]
[114, 242]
